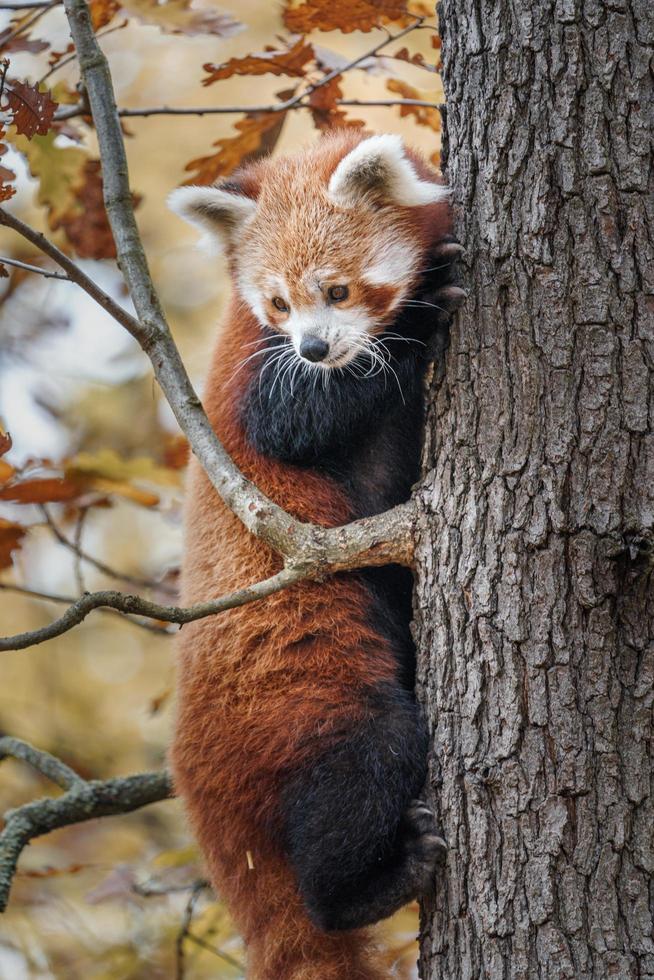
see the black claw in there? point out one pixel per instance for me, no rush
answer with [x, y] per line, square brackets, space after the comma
[449, 250]
[452, 297]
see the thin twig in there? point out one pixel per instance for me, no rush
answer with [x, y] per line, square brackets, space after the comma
[83, 800]
[45, 4]
[70, 112]
[75, 274]
[48, 765]
[83, 107]
[185, 925]
[132, 604]
[101, 566]
[68, 600]
[199, 941]
[30, 22]
[34, 268]
[296, 101]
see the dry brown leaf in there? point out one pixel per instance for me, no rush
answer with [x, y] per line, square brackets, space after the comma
[417, 59]
[11, 535]
[290, 61]
[86, 223]
[32, 110]
[257, 136]
[102, 12]
[59, 169]
[5, 442]
[42, 490]
[20, 43]
[180, 17]
[424, 115]
[325, 111]
[344, 15]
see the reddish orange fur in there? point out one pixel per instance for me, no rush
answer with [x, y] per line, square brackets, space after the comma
[259, 685]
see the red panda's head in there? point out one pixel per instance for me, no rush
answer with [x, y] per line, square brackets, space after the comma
[324, 246]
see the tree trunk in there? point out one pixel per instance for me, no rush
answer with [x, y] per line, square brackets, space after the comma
[534, 597]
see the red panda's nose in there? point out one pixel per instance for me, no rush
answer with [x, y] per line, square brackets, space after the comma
[313, 348]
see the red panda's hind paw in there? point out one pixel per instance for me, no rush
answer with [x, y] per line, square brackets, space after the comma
[424, 847]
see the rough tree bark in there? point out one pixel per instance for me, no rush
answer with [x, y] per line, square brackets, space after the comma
[534, 597]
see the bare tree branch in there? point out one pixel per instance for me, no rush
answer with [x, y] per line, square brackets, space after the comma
[68, 600]
[71, 112]
[48, 273]
[133, 604]
[379, 542]
[75, 274]
[101, 566]
[48, 765]
[44, 4]
[82, 800]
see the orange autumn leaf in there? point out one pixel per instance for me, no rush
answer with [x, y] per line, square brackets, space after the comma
[102, 12]
[11, 535]
[424, 115]
[414, 59]
[270, 62]
[257, 135]
[343, 15]
[5, 442]
[42, 490]
[325, 110]
[50, 872]
[33, 111]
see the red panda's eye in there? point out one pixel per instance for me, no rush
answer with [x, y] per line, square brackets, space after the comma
[279, 304]
[337, 294]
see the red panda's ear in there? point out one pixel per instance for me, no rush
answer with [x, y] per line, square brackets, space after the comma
[219, 211]
[378, 168]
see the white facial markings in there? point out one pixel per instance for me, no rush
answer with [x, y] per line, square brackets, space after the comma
[392, 263]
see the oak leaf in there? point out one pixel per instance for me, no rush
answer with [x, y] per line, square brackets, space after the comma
[59, 170]
[424, 115]
[102, 12]
[325, 111]
[289, 61]
[108, 464]
[6, 471]
[86, 223]
[257, 136]
[11, 535]
[180, 17]
[20, 43]
[343, 15]
[33, 111]
[413, 59]
[41, 490]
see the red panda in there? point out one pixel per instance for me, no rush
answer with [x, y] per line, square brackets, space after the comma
[299, 750]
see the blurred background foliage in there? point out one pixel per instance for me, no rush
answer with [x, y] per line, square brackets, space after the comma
[91, 471]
